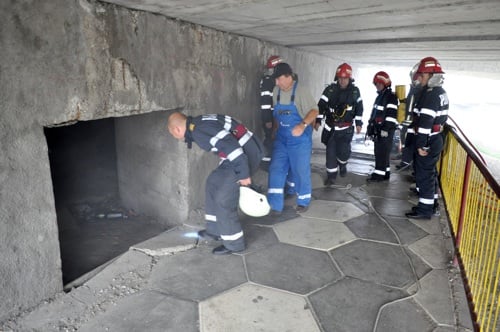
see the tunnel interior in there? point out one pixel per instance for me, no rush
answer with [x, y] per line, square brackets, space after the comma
[94, 225]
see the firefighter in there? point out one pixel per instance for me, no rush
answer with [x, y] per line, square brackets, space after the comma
[407, 131]
[430, 115]
[294, 111]
[266, 103]
[339, 106]
[240, 153]
[382, 125]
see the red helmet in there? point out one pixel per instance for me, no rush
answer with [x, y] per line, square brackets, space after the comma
[429, 65]
[273, 61]
[382, 77]
[344, 70]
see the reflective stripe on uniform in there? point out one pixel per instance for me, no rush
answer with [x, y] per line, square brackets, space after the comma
[304, 196]
[275, 191]
[332, 170]
[220, 135]
[428, 111]
[245, 138]
[235, 154]
[426, 201]
[210, 217]
[232, 237]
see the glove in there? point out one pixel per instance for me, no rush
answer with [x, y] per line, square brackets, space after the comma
[384, 133]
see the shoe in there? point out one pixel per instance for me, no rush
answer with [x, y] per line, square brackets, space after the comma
[203, 234]
[343, 169]
[435, 210]
[416, 215]
[375, 178]
[402, 166]
[329, 182]
[301, 208]
[221, 250]
[275, 213]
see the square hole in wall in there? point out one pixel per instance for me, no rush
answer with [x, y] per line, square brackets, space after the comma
[94, 225]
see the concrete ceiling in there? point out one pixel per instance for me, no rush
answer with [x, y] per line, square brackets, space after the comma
[463, 35]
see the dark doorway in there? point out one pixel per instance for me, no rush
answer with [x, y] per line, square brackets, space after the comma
[94, 226]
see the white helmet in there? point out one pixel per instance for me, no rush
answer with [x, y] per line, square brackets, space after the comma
[253, 203]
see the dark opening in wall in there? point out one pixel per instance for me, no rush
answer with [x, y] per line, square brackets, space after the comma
[94, 226]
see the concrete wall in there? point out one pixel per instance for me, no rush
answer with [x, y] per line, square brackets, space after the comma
[71, 60]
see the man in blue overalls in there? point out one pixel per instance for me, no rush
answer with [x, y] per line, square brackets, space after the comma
[294, 111]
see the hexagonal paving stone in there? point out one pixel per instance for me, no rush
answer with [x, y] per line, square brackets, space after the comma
[351, 304]
[370, 226]
[378, 262]
[295, 269]
[405, 315]
[435, 296]
[258, 237]
[256, 308]
[336, 211]
[407, 232]
[147, 311]
[314, 233]
[390, 207]
[433, 251]
[197, 274]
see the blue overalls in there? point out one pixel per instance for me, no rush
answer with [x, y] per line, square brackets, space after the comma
[290, 153]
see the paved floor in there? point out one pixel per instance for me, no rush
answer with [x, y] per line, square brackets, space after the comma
[352, 262]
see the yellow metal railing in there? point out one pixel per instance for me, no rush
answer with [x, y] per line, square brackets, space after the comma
[472, 198]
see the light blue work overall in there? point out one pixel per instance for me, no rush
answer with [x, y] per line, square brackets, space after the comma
[290, 153]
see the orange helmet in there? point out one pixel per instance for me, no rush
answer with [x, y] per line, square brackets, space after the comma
[273, 61]
[344, 70]
[382, 77]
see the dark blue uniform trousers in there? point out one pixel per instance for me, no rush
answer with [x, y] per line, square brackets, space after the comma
[426, 175]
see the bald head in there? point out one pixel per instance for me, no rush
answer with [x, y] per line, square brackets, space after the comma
[177, 125]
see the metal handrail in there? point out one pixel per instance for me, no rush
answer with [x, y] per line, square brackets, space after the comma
[472, 198]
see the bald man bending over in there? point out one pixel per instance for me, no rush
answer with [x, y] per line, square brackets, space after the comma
[240, 153]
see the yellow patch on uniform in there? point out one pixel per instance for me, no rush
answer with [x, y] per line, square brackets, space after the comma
[191, 126]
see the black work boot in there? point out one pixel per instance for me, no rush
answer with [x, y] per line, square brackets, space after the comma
[342, 169]
[329, 182]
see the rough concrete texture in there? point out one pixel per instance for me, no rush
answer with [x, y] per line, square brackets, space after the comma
[67, 61]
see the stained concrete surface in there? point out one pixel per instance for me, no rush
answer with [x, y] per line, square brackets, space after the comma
[87, 243]
[394, 275]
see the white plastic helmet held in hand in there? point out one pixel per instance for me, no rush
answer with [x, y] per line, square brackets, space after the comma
[253, 203]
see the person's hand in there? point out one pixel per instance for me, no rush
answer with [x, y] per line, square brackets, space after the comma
[245, 182]
[422, 152]
[269, 125]
[298, 130]
[358, 129]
